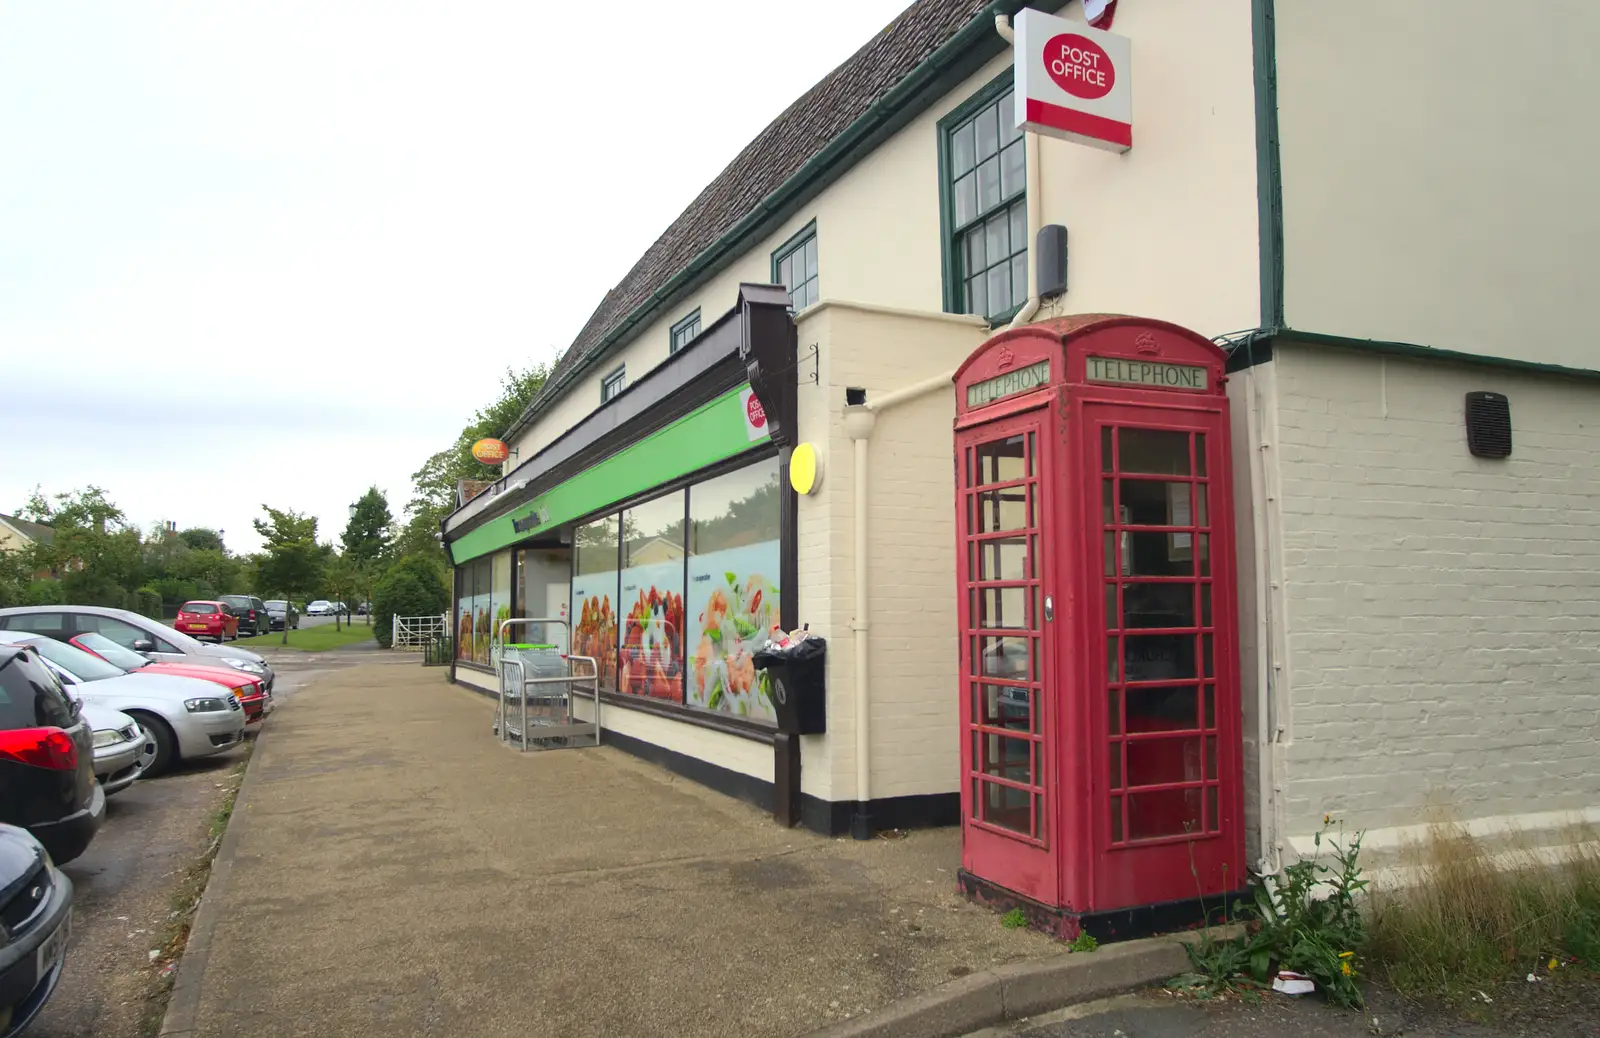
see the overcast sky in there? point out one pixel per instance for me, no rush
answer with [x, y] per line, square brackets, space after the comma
[275, 252]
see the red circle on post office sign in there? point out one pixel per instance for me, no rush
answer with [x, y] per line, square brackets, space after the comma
[1079, 66]
[755, 413]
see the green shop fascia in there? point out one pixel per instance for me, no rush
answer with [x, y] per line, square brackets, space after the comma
[661, 527]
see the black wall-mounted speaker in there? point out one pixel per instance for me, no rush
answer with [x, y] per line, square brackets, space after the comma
[1488, 425]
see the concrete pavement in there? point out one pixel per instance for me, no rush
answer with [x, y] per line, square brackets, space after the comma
[391, 870]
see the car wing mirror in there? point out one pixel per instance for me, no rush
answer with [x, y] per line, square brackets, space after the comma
[144, 645]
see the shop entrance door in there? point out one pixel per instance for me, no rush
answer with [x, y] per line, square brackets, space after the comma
[1008, 706]
[1165, 742]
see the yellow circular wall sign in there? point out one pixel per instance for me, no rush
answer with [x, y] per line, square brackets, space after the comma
[805, 468]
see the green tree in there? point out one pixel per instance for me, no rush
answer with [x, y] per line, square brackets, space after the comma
[434, 484]
[202, 539]
[291, 560]
[413, 586]
[366, 536]
[16, 573]
[419, 535]
[97, 552]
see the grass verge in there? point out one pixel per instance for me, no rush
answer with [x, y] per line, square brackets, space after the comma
[185, 901]
[1471, 917]
[310, 639]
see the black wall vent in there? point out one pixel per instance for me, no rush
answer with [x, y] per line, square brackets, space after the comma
[1488, 425]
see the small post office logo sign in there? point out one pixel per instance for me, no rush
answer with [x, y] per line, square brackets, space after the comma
[1079, 66]
[1009, 384]
[1073, 81]
[1147, 373]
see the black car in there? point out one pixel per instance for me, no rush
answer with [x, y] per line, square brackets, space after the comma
[283, 612]
[35, 919]
[47, 782]
[252, 613]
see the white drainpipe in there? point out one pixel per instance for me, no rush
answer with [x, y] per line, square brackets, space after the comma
[1266, 757]
[1034, 200]
[858, 422]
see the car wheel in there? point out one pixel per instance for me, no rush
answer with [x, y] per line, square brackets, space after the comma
[147, 752]
[166, 751]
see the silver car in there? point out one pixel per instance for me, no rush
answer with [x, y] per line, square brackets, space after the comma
[185, 717]
[121, 747]
[132, 631]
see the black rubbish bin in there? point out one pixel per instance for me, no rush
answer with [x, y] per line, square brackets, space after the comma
[798, 686]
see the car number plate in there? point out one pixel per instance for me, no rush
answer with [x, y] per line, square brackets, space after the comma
[54, 947]
[197, 627]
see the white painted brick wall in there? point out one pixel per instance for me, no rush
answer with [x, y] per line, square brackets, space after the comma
[1442, 611]
[911, 538]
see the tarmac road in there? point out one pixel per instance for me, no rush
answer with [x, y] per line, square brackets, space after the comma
[123, 888]
[124, 883]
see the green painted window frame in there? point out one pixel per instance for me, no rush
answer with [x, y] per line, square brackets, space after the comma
[614, 383]
[951, 235]
[809, 287]
[683, 332]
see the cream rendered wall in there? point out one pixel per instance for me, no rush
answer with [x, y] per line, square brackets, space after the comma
[1442, 611]
[1438, 174]
[1167, 230]
[913, 735]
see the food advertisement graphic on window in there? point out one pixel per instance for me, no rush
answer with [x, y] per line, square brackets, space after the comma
[732, 598]
[464, 618]
[650, 658]
[594, 589]
[733, 603]
[651, 654]
[499, 600]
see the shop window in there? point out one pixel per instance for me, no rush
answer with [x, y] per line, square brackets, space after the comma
[732, 600]
[473, 616]
[614, 383]
[499, 600]
[684, 332]
[985, 220]
[794, 266]
[594, 591]
[650, 657]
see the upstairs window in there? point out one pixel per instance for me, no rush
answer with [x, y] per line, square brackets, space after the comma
[684, 332]
[794, 266]
[982, 173]
[613, 383]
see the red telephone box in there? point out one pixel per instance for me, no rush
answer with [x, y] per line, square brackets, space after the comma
[1100, 713]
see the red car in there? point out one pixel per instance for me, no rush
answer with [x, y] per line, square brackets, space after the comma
[202, 619]
[255, 699]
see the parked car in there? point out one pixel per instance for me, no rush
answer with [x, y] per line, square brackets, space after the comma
[186, 717]
[364, 608]
[120, 747]
[132, 631]
[36, 906]
[251, 611]
[208, 620]
[321, 607]
[281, 613]
[47, 781]
[253, 695]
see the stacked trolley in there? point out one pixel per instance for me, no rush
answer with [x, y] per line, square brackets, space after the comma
[538, 685]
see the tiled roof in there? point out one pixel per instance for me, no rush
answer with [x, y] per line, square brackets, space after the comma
[37, 532]
[803, 130]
